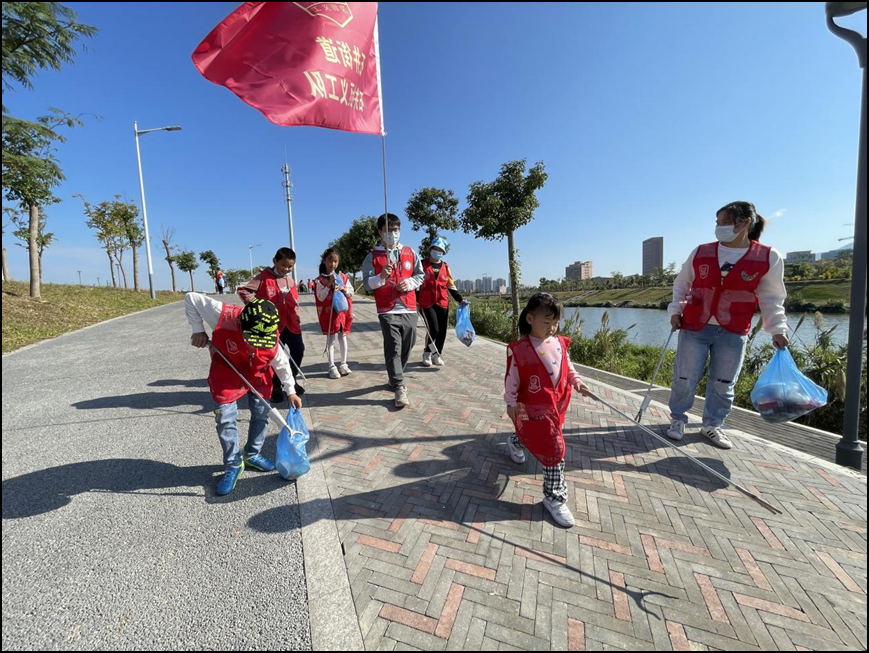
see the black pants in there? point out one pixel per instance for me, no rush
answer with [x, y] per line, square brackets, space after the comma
[436, 318]
[297, 351]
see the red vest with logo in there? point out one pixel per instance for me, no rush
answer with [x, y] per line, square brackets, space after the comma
[541, 407]
[434, 288]
[388, 294]
[252, 362]
[330, 321]
[731, 299]
[287, 302]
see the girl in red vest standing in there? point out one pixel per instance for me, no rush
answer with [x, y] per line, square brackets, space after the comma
[276, 285]
[334, 325]
[537, 393]
[434, 300]
[715, 297]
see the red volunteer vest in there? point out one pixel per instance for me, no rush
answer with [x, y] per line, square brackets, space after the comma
[434, 288]
[252, 362]
[388, 295]
[541, 407]
[732, 298]
[330, 321]
[287, 303]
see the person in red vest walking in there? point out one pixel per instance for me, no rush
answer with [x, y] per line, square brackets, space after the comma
[393, 273]
[537, 393]
[433, 297]
[715, 297]
[334, 325]
[276, 285]
[248, 338]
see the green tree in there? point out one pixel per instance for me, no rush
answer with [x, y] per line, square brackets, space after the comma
[356, 243]
[433, 210]
[210, 259]
[186, 262]
[22, 232]
[497, 209]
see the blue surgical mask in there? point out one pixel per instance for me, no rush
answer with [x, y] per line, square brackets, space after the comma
[725, 233]
[435, 255]
[392, 238]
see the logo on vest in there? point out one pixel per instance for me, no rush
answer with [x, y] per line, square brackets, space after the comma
[749, 277]
[271, 292]
[407, 265]
[534, 384]
[704, 271]
[231, 347]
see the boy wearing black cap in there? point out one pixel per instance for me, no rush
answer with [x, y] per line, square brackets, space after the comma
[248, 337]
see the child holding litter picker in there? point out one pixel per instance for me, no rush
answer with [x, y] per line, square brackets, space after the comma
[537, 393]
[248, 338]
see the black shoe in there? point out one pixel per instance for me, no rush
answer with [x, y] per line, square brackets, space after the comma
[278, 396]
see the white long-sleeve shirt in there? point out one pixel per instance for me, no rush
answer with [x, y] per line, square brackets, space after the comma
[201, 310]
[771, 292]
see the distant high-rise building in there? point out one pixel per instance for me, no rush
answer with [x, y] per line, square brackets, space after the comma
[800, 257]
[653, 254]
[500, 282]
[579, 271]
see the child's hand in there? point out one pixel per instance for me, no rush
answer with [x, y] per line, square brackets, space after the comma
[295, 401]
[581, 388]
[384, 274]
[511, 412]
[404, 286]
[199, 340]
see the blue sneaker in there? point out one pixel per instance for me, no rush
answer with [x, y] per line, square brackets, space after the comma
[227, 482]
[260, 463]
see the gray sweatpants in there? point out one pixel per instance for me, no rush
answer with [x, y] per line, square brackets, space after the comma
[399, 337]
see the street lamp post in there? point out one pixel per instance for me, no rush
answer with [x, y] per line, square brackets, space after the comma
[250, 254]
[849, 451]
[79, 276]
[140, 132]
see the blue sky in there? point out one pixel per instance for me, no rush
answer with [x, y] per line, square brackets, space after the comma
[648, 117]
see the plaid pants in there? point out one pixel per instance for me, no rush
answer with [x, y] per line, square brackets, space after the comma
[554, 485]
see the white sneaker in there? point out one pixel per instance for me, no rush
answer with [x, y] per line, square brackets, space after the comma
[717, 436]
[560, 512]
[437, 359]
[426, 359]
[401, 399]
[344, 369]
[517, 455]
[334, 373]
[676, 430]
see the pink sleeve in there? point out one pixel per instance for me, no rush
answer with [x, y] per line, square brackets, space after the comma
[572, 375]
[511, 382]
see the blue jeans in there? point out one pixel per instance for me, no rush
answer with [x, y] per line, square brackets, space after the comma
[725, 351]
[226, 417]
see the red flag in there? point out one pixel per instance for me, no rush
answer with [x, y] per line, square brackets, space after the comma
[300, 63]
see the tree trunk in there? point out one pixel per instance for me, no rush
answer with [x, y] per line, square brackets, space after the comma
[192, 287]
[171, 266]
[119, 257]
[6, 274]
[135, 267]
[112, 268]
[32, 252]
[514, 283]
[40, 265]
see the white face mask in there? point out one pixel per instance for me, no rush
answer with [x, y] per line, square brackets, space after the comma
[392, 238]
[725, 233]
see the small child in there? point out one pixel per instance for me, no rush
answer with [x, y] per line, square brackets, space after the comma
[334, 325]
[248, 338]
[537, 393]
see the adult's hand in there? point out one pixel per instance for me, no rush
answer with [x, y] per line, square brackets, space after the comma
[676, 322]
[199, 340]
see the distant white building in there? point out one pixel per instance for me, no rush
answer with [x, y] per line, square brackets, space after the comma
[800, 257]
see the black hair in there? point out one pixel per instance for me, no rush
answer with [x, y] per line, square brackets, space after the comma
[327, 254]
[742, 211]
[284, 253]
[541, 301]
[392, 219]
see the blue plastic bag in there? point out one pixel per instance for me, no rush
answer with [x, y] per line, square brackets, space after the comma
[464, 329]
[292, 460]
[339, 300]
[783, 393]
